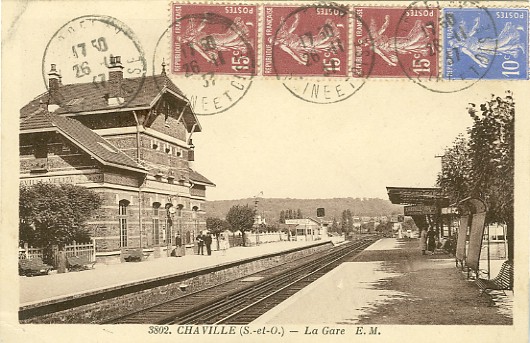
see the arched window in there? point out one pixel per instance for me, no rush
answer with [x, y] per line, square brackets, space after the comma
[156, 223]
[122, 218]
[194, 212]
[169, 223]
[179, 210]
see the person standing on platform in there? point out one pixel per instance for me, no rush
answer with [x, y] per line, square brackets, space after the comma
[431, 240]
[423, 241]
[208, 242]
[223, 244]
[200, 244]
[178, 246]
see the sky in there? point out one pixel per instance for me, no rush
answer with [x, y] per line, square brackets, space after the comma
[386, 134]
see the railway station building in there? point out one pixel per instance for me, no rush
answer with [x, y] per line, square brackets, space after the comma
[308, 229]
[128, 139]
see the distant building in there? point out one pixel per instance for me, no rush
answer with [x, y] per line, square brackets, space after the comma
[259, 220]
[308, 229]
[130, 140]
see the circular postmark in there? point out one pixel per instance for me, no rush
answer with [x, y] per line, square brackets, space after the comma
[446, 50]
[85, 51]
[308, 49]
[212, 52]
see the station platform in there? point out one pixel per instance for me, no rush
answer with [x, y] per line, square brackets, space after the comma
[55, 286]
[392, 283]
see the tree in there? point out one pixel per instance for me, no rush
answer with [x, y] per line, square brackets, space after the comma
[482, 166]
[216, 226]
[344, 221]
[52, 214]
[282, 217]
[349, 216]
[299, 214]
[492, 159]
[455, 178]
[240, 218]
[347, 221]
[335, 226]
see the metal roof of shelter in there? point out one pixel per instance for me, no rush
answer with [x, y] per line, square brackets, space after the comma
[417, 196]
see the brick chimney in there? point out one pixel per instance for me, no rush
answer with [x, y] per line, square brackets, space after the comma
[115, 80]
[54, 83]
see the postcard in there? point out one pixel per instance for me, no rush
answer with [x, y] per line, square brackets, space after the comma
[348, 171]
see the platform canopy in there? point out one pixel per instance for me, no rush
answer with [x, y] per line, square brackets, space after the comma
[417, 196]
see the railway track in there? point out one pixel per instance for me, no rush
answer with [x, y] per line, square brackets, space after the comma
[243, 300]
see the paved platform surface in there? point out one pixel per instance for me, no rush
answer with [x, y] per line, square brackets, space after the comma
[49, 287]
[392, 283]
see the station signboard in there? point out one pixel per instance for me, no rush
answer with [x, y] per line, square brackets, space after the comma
[415, 210]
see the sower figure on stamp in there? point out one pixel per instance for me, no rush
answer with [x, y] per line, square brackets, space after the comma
[200, 244]
[208, 242]
[327, 39]
[209, 45]
[482, 50]
[415, 42]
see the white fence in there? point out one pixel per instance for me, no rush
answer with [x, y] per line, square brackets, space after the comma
[261, 238]
[29, 253]
[87, 250]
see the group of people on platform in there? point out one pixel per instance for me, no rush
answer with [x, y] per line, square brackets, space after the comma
[429, 242]
[204, 240]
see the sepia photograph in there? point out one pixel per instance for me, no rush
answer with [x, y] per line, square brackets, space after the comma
[264, 170]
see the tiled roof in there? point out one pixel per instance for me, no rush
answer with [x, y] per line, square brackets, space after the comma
[36, 120]
[90, 97]
[82, 136]
[195, 176]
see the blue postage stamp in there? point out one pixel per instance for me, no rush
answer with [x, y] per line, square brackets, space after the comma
[485, 43]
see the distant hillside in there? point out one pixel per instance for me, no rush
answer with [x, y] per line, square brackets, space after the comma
[271, 208]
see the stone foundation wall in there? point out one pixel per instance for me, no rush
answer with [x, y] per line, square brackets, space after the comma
[165, 288]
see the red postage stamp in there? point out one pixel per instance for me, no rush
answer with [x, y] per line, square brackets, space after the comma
[218, 39]
[305, 41]
[395, 42]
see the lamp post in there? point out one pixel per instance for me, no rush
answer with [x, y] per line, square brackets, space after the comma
[170, 211]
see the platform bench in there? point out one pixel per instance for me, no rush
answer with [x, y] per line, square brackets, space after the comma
[32, 267]
[503, 281]
[134, 254]
[77, 263]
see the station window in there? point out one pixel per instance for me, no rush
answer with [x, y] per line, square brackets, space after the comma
[122, 213]
[169, 224]
[156, 223]
[179, 210]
